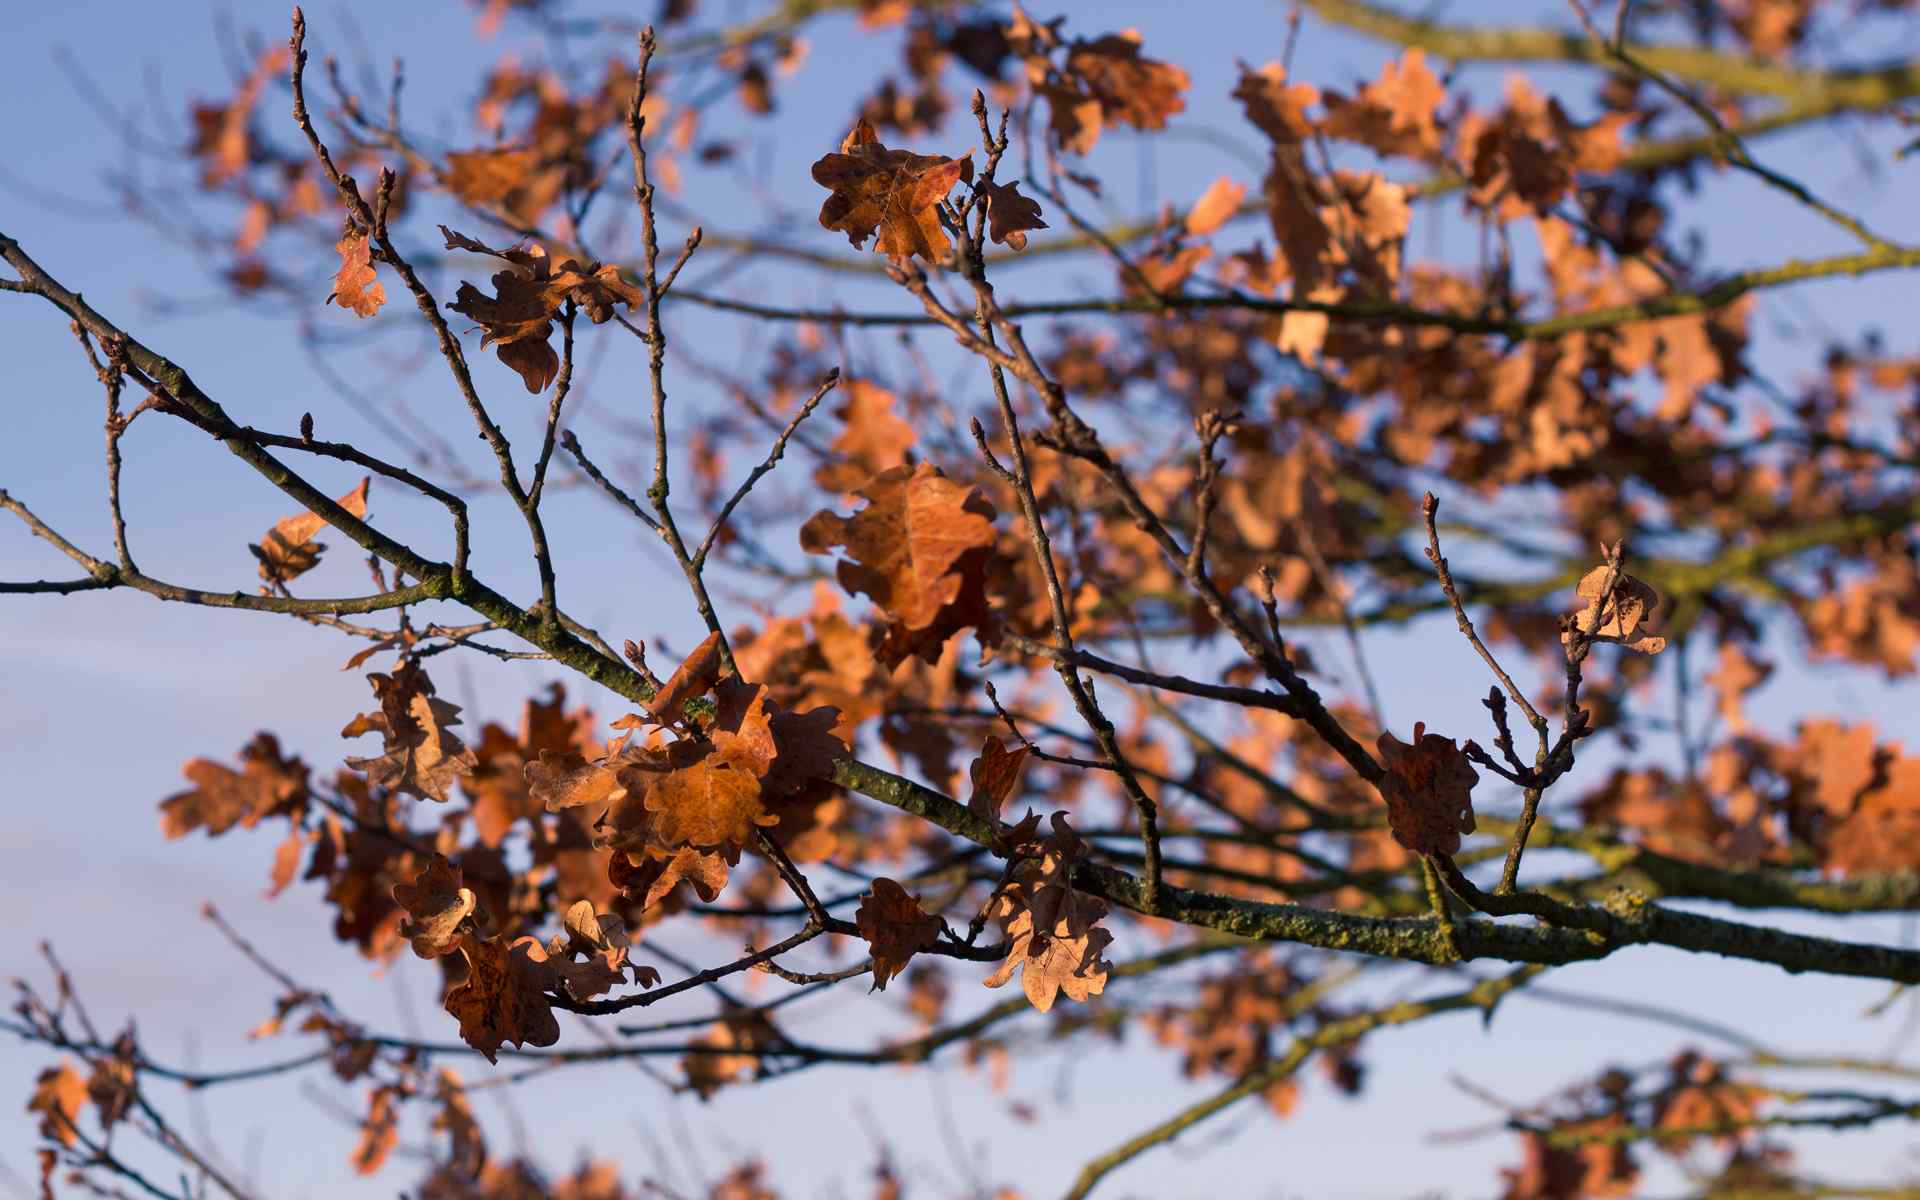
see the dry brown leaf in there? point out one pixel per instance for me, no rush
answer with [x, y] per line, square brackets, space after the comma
[422, 756]
[1395, 114]
[504, 996]
[895, 928]
[725, 1053]
[1428, 788]
[714, 801]
[440, 909]
[112, 1086]
[919, 549]
[995, 775]
[1628, 615]
[1277, 107]
[893, 192]
[872, 439]
[289, 550]
[221, 798]
[1010, 215]
[58, 1095]
[355, 285]
[1219, 202]
[694, 677]
[379, 1131]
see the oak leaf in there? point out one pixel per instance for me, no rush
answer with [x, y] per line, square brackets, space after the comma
[440, 909]
[466, 1144]
[503, 998]
[1052, 931]
[790, 751]
[1882, 834]
[1699, 1095]
[355, 285]
[1395, 114]
[714, 801]
[1050, 965]
[111, 1087]
[601, 940]
[872, 439]
[995, 775]
[919, 549]
[895, 193]
[1010, 215]
[1140, 91]
[58, 1095]
[422, 755]
[1219, 202]
[728, 1051]
[484, 177]
[379, 1130]
[289, 550]
[652, 873]
[528, 294]
[1626, 617]
[266, 783]
[895, 928]
[563, 781]
[1277, 107]
[1599, 1168]
[1428, 787]
[694, 677]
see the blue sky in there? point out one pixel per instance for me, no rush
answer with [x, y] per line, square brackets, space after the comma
[106, 695]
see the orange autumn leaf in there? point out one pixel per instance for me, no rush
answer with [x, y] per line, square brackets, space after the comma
[379, 1131]
[422, 756]
[652, 874]
[694, 677]
[440, 909]
[872, 438]
[355, 285]
[790, 751]
[486, 177]
[562, 781]
[221, 798]
[1010, 215]
[1053, 934]
[528, 294]
[1219, 202]
[504, 996]
[1277, 107]
[600, 939]
[289, 550]
[727, 1051]
[895, 928]
[918, 549]
[892, 192]
[1395, 114]
[58, 1095]
[995, 775]
[1428, 787]
[714, 801]
[1108, 80]
[1625, 617]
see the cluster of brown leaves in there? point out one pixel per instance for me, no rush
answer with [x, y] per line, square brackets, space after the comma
[1586, 1156]
[1053, 933]
[1091, 85]
[1834, 792]
[528, 295]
